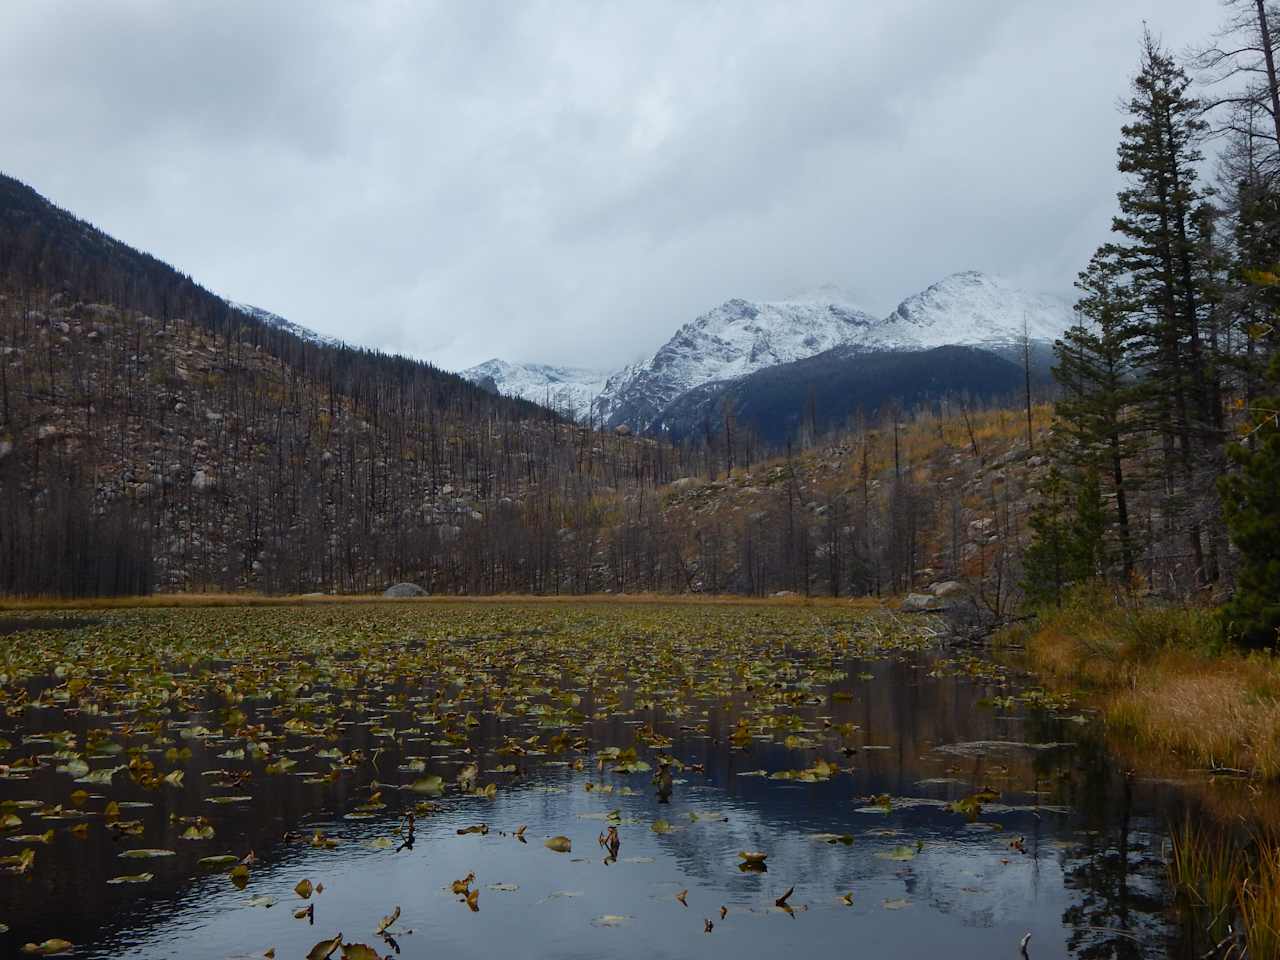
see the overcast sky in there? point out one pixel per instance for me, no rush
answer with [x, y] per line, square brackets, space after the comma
[571, 181]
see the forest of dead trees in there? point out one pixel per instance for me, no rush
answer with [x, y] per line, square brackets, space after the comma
[153, 438]
[159, 454]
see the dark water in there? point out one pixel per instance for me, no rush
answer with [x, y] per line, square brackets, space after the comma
[1070, 853]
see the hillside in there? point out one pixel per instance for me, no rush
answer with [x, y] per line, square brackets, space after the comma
[820, 394]
[899, 504]
[150, 434]
[152, 437]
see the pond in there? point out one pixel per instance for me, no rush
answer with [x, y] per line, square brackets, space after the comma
[241, 782]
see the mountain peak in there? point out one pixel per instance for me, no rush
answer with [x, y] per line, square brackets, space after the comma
[972, 307]
[740, 337]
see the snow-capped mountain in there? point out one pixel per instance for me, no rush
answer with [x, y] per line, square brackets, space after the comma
[275, 320]
[563, 388]
[975, 309]
[737, 338]
[741, 337]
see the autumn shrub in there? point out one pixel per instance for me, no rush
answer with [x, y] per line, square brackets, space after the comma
[1163, 678]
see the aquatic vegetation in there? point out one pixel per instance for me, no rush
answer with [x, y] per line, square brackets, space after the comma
[1228, 886]
[382, 702]
[474, 751]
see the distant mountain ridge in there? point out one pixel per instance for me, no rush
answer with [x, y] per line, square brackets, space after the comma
[810, 397]
[740, 338]
[561, 388]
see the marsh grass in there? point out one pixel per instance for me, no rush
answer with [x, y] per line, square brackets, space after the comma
[1259, 903]
[1164, 679]
[1229, 890]
[1206, 871]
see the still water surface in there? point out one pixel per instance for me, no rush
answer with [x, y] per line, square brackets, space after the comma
[1070, 853]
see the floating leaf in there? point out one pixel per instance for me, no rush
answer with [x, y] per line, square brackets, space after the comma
[324, 949]
[134, 878]
[432, 786]
[303, 889]
[611, 920]
[388, 920]
[833, 838]
[224, 860]
[146, 853]
[49, 947]
[560, 844]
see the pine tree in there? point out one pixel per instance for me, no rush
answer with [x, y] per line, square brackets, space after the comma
[1067, 538]
[1160, 254]
[1251, 502]
[1093, 423]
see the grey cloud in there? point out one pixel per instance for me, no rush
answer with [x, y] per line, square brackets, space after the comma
[569, 181]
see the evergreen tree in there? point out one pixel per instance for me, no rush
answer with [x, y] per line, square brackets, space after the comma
[1160, 254]
[1093, 422]
[1067, 544]
[1251, 502]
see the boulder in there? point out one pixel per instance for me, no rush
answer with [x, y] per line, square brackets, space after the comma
[948, 588]
[917, 603]
[403, 591]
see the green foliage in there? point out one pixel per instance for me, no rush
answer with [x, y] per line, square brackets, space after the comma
[1068, 545]
[1251, 503]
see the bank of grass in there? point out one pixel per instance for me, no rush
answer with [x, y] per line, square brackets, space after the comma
[1164, 680]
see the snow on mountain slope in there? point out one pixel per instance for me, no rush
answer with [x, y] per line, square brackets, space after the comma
[275, 320]
[974, 309]
[736, 338]
[560, 387]
[741, 337]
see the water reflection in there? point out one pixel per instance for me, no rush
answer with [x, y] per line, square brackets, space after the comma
[1070, 852]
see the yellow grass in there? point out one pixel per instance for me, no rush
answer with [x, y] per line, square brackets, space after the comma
[1228, 885]
[1259, 900]
[1164, 682]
